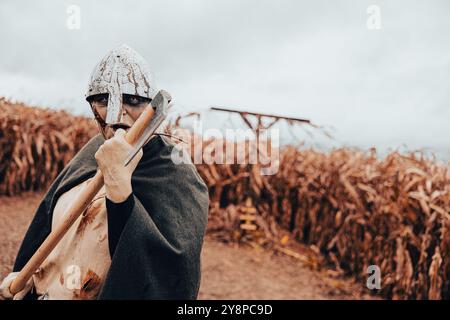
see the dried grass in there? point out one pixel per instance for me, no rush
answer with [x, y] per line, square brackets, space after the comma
[355, 209]
[36, 144]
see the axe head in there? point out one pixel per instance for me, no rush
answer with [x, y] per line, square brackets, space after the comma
[160, 104]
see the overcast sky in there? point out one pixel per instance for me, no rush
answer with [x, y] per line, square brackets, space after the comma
[383, 87]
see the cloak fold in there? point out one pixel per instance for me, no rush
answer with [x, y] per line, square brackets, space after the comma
[158, 253]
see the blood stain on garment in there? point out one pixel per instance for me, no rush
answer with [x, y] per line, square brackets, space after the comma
[98, 226]
[89, 214]
[89, 286]
[61, 279]
[102, 237]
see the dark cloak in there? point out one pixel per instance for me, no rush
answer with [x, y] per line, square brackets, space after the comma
[158, 253]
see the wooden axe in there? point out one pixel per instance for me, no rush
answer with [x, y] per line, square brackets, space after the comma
[137, 135]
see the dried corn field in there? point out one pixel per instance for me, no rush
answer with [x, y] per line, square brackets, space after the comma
[36, 144]
[354, 209]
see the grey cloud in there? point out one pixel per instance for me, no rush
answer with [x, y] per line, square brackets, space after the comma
[311, 59]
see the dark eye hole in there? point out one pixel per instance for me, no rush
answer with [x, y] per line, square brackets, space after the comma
[134, 100]
[99, 99]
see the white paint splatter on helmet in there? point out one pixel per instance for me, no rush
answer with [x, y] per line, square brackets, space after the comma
[121, 71]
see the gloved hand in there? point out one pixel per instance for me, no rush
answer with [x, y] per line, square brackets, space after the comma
[5, 294]
[110, 158]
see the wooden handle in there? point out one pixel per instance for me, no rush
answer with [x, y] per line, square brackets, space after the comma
[82, 201]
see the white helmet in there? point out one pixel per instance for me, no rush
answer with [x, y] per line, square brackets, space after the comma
[121, 71]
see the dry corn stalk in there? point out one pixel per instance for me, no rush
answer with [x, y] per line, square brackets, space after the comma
[357, 209]
[354, 208]
[36, 144]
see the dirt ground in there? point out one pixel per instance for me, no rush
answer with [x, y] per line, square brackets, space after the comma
[228, 271]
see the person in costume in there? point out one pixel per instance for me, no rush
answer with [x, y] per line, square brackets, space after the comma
[142, 234]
